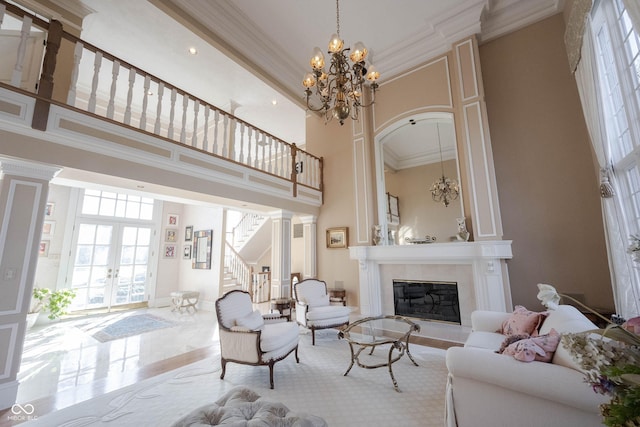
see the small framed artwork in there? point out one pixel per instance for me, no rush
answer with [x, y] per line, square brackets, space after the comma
[201, 256]
[43, 249]
[186, 252]
[337, 237]
[169, 251]
[188, 233]
[170, 235]
[172, 219]
[48, 210]
[48, 228]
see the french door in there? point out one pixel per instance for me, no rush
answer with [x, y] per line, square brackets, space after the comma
[110, 265]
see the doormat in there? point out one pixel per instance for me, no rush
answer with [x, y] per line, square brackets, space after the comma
[132, 325]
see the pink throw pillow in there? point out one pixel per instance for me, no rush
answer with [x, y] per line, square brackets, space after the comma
[540, 348]
[523, 321]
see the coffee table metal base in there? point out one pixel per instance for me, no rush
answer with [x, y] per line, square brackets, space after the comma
[401, 345]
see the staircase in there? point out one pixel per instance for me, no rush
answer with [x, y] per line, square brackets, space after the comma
[248, 240]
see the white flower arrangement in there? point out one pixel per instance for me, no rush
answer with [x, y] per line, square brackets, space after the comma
[610, 358]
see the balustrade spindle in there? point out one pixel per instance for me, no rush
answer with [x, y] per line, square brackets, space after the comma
[256, 158]
[127, 111]
[172, 113]
[158, 125]
[145, 101]
[264, 143]
[97, 63]
[194, 136]
[225, 137]
[16, 78]
[271, 165]
[77, 56]
[248, 160]
[3, 8]
[216, 118]
[205, 139]
[183, 131]
[115, 70]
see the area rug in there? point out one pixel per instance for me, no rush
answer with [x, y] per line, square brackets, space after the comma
[130, 326]
[316, 385]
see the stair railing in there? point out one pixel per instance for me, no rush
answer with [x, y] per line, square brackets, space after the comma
[245, 228]
[238, 268]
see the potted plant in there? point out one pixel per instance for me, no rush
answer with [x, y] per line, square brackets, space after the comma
[55, 303]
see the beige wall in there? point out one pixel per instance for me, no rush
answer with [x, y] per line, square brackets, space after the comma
[547, 182]
[546, 178]
[334, 143]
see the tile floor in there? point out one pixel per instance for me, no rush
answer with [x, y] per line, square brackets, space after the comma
[62, 360]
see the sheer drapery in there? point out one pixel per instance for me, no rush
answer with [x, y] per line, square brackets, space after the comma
[623, 277]
[633, 9]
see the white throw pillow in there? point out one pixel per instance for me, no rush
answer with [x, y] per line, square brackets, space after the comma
[253, 321]
[319, 301]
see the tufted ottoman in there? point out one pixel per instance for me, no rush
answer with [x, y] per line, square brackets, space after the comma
[243, 407]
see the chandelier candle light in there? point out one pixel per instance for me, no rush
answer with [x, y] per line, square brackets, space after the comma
[341, 89]
[444, 190]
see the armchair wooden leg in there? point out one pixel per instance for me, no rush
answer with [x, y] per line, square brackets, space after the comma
[271, 373]
[313, 336]
[297, 359]
[224, 367]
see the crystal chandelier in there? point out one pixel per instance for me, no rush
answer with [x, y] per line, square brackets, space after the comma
[444, 190]
[341, 88]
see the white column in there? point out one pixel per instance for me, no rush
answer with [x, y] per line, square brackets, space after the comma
[309, 233]
[281, 254]
[23, 197]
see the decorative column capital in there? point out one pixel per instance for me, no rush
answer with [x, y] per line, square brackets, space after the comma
[28, 169]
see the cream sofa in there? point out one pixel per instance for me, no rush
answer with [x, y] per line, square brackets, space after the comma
[490, 389]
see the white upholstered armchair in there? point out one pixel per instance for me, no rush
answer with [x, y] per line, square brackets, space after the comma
[248, 338]
[313, 309]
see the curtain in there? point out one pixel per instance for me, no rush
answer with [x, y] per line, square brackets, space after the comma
[633, 9]
[623, 278]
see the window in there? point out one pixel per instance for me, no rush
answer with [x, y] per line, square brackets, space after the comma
[618, 50]
[110, 204]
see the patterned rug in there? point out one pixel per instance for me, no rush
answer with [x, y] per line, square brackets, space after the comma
[128, 326]
[316, 385]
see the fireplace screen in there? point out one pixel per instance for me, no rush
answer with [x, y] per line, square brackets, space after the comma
[427, 300]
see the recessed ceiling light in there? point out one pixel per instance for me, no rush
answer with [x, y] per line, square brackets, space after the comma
[193, 51]
[274, 102]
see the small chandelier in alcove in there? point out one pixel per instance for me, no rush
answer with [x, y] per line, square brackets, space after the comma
[444, 190]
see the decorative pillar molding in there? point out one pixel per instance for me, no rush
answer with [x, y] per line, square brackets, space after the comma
[24, 188]
[363, 176]
[281, 254]
[309, 232]
[483, 192]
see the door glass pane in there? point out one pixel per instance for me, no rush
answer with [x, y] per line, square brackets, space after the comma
[86, 234]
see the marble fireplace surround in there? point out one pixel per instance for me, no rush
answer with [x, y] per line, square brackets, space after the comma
[479, 268]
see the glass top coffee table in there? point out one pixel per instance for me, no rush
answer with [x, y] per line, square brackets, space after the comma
[372, 332]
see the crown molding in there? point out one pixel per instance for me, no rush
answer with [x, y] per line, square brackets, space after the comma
[502, 17]
[25, 169]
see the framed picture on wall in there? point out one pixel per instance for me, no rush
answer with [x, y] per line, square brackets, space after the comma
[186, 252]
[48, 228]
[172, 219]
[188, 233]
[201, 256]
[337, 237]
[171, 235]
[169, 251]
[43, 249]
[48, 210]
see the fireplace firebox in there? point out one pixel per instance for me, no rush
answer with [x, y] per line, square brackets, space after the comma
[427, 300]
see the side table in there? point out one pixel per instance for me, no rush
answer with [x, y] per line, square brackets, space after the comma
[338, 296]
[282, 305]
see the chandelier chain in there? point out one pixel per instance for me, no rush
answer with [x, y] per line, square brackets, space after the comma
[338, 17]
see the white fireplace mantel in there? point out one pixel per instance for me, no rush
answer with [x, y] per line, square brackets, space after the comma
[490, 285]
